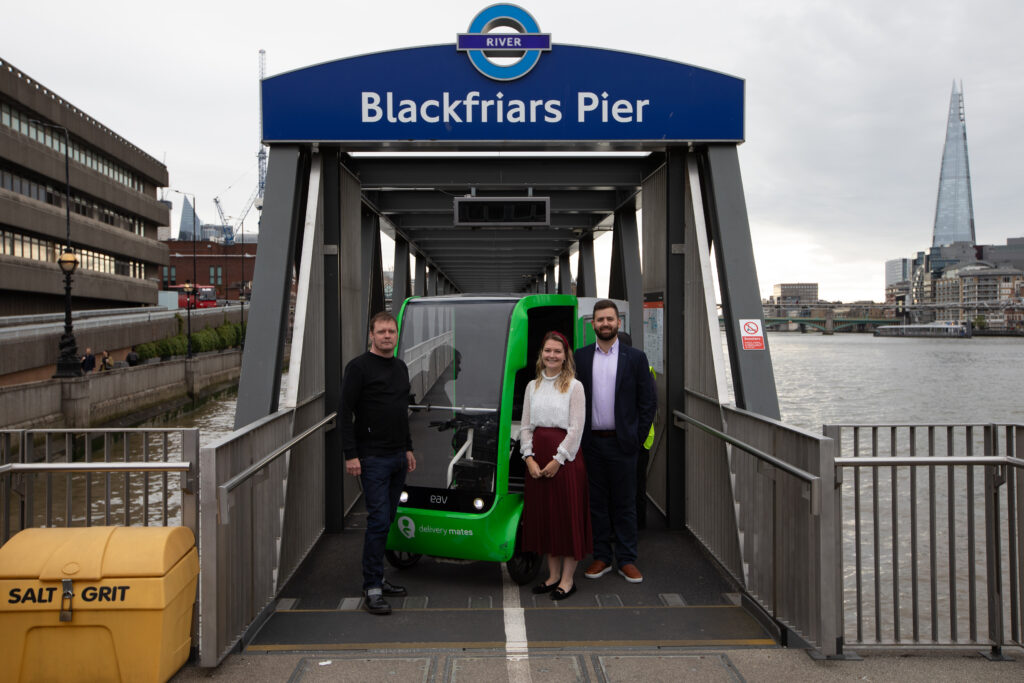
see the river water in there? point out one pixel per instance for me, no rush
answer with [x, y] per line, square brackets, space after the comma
[846, 378]
[861, 378]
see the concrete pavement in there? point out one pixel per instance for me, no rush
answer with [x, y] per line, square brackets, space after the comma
[607, 665]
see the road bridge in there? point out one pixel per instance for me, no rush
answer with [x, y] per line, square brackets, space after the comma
[828, 324]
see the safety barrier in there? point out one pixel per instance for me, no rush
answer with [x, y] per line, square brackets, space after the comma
[759, 498]
[933, 534]
[85, 477]
[261, 511]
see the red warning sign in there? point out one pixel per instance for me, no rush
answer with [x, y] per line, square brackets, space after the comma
[752, 335]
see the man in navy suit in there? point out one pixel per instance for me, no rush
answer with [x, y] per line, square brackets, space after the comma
[621, 402]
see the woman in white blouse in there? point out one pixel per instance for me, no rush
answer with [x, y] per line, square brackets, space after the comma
[557, 509]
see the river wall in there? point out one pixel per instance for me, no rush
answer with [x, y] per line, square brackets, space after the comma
[30, 351]
[118, 394]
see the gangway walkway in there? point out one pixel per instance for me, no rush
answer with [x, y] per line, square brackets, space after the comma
[683, 602]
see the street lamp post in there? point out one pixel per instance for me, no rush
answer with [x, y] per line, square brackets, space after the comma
[68, 364]
[241, 291]
[189, 289]
[189, 286]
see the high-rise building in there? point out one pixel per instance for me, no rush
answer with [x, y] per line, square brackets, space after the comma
[898, 270]
[189, 222]
[954, 210]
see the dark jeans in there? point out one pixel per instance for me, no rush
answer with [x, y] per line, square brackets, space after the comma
[383, 478]
[612, 501]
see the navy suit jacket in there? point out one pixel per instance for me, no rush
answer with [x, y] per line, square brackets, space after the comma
[636, 399]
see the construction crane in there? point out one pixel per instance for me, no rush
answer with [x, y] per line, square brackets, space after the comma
[261, 156]
[226, 229]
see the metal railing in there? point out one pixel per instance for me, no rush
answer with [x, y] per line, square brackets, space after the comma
[86, 477]
[933, 549]
[778, 515]
[261, 511]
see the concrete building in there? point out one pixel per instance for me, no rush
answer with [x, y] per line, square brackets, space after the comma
[115, 214]
[795, 293]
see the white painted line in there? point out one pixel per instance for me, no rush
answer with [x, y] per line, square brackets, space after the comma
[517, 650]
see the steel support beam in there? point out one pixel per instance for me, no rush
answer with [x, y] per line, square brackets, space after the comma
[260, 383]
[420, 284]
[627, 280]
[752, 375]
[401, 282]
[401, 202]
[353, 276]
[441, 221]
[586, 273]
[373, 300]
[675, 334]
[564, 274]
[501, 173]
[550, 286]
[334, 464]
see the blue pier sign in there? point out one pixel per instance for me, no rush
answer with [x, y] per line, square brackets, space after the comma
[492, 87]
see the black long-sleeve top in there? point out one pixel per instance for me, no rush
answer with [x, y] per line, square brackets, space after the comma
[374, 406]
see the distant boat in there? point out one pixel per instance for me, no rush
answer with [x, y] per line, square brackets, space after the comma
[940, 328]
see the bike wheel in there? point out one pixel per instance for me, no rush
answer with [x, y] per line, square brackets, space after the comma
[400, 559]
[523, 565]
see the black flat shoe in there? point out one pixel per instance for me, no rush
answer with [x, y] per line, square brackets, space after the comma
[376, 604]
[391, 590]
[560, 594]
[542, 588]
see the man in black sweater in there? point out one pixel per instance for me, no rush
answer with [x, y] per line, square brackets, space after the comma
[377, 445]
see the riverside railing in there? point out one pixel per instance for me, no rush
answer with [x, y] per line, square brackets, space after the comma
[784, 513]
[261, 511]
[87, 477]
[933, 534]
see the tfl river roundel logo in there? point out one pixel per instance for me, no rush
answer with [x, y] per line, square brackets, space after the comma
[480, 44]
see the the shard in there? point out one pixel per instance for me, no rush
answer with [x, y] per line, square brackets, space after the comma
[189, 222]
[954, 211]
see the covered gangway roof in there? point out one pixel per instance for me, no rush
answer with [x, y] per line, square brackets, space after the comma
[415, 198]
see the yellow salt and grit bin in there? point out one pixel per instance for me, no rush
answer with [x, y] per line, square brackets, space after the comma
[97, 603]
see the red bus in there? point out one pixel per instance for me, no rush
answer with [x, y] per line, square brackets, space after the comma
[204, 296]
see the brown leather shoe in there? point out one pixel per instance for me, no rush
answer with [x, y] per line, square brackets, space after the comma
[631, 573]
[597, 569]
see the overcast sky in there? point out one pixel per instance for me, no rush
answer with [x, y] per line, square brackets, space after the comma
[845, 112]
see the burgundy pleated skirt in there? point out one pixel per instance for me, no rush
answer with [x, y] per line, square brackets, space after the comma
[557, 511]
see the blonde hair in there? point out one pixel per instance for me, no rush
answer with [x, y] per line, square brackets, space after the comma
[568, 373]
